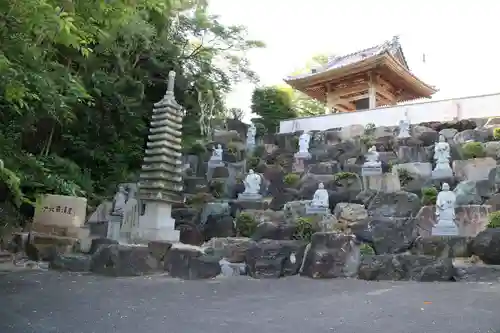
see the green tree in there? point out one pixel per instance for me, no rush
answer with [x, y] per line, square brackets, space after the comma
[272, 104]
[303, 104]
[80, 78]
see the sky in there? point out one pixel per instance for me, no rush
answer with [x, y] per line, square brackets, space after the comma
[459, 38]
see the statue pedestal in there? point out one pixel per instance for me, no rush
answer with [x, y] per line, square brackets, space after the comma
[317, 210]
[303, 155]
[157, 223]
[371, 169]
[114, 226]
[442, 171]
[249, 196]
[445, 228]
[215, 163]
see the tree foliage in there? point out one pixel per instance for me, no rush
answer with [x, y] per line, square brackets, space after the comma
[272, 104]
[79, 79]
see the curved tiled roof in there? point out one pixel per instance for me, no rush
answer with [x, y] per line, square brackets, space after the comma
[393, 47]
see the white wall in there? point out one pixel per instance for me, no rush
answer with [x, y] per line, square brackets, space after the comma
[445, 110]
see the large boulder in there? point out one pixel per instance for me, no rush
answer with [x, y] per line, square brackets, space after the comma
[123, 260]
[331, 255]
[443, 246]
[486, 245]
[191, 263]
[406, 267]
[274, 258]
[233, 249]
[399, 204]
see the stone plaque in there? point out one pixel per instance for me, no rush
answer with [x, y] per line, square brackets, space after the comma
[371, 170]
[61, 210]
[303, 155]
[215, 163]
[443, 173]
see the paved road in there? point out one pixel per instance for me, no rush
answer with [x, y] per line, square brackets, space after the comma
[43, 302]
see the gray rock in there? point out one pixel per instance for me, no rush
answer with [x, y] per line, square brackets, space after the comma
[190, 263]
[97, 243]
[399, 204]
[486, 245]
[232, 249]
[71, 263]
[406, 267]
[467, 194]
[442, 246]
[469, 135]
[427, 135]
[274, 258]
[331, 255]
[448, 133]
[123, 260]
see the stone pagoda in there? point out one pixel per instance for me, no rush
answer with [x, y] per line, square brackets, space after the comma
[160, 181]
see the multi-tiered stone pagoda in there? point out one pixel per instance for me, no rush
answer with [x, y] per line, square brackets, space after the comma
[160, 182]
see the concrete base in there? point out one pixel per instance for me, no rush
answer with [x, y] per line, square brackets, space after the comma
[317, 210]
[445, 228]
[157, 223]
[442, 173]
[303, 155]
[249, 196]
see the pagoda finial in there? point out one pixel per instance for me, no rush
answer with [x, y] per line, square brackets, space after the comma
[171, 83]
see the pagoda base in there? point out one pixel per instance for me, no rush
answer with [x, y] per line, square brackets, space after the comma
[157, 223]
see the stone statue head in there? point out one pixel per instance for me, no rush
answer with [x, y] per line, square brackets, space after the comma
[445, 187]
[250, 172]
[442, 138]
[219, 146]
[121, 189]
[321, 186]
[372, 149]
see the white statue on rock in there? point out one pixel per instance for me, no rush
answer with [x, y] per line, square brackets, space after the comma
[252, 186]
[445, 212]
[442, 158]
[304, 141]
[320, 198]
[251, 132]
[216, 158]
[404, 127]
[372, 166]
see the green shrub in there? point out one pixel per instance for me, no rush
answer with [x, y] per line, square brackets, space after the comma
[366, 249]
[260, 129]
[259, 151]
[253, 162]
[195, 148]
[496, 133]
[344, 175]
[217, 188]
[473, 150]
[291, 179]
[494, 220]
[404, 176]
[294, 142]
[199, 199]
[304, 229]
[367, 140]
[370, 129]
[232, 148]
[12, 183]
[245, 225]
[429, 196]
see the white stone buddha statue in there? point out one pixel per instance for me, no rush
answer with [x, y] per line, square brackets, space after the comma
[445, 212]
[217, 153]
[404, 127]
[320, 198]
[252, 183]
[372, 158]
[304, 141]
[251, 132]
[442, 152]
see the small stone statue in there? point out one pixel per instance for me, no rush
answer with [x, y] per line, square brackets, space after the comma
[119, 201]
[320, 198]
[252, 183]
[445, 212]
[372, 166]
[442, 158]
[216, 158]
[372, 157]
[404, 127]
[304, 141]
[252, 131]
